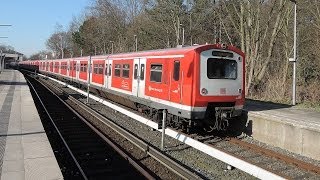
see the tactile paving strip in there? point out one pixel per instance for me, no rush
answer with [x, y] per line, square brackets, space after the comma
[4, 120]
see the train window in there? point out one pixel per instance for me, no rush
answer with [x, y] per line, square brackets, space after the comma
[135, 76]
[100, 71]
[156, 73]
[142, 72]
[95, 68]
[106, 70]
[125, 70]
[110, 69]
[176, 70]
[85, 67]
[221, 69]
[117, 70]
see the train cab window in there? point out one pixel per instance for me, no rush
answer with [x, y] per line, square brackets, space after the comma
[156, 73]
[221, 69]
[176, 70]
[110, 69]
[135, 71]
[117, 70]
[125, 70]
[142, 72]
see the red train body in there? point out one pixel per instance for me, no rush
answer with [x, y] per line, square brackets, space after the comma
[195, 84]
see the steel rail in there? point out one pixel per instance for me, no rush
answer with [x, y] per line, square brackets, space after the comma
[284, 158]
[145, 173]
[153, 152]
[56, 128]
[212, 151]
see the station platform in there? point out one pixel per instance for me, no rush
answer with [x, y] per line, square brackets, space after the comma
[25, 152]
[288, 127]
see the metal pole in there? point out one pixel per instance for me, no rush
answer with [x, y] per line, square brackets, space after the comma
[164, 117]
[81, 52]
[88, 86]
[136, 42]
[294, 55]
[111, 46]
[0, 61]
[182, 36]
[61, 47]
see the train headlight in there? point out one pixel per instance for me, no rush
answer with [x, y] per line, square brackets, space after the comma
[204, 91]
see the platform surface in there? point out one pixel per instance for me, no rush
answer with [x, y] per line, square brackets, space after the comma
[25, 152]
[291, 114]
[288, 127]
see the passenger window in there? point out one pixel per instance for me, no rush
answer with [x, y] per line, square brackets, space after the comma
[135, 71]
[96, 69]
[110, 69]
[106, 70]
[142, 72]
[117, 70]
[176, 70]
[156, 73]
[125, 70]
[100, 69]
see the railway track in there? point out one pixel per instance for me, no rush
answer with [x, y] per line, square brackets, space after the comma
[92, 156]
[166, 168]
[261, 159]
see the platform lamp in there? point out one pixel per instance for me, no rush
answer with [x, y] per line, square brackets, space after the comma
[294, 59]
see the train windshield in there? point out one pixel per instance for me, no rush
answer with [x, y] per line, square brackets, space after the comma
[221, 68]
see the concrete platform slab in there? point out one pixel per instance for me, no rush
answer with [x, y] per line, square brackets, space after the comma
[296, 130]
[25, 152]
[16, 175]
[43, 168]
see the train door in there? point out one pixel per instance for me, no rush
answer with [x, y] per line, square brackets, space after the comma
[77, 69]
[175, 82]
[68, 68]
[138, 84]
[107, 74]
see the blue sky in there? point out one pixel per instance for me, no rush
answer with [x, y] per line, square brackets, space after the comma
[33, 21]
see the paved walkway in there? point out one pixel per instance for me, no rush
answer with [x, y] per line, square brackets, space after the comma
[25, 152]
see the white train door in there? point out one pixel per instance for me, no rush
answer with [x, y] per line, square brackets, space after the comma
[138, 84]
[77, 69]
[108, 74]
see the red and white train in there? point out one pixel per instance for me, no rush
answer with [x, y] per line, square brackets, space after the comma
[197, 85]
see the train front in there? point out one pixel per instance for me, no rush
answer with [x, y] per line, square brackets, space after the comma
[221, 88]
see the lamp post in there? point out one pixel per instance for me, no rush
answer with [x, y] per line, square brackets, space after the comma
[62, 53]
[294, 54]
[111, 47]
[136, 42]
[182, 34]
